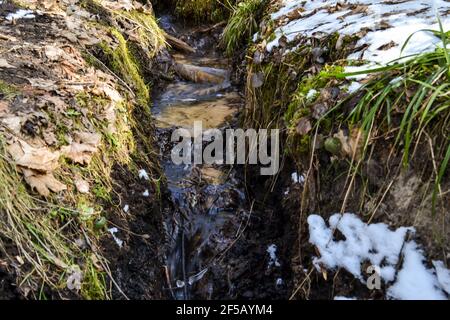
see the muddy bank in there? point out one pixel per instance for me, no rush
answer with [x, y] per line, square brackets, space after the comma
[339, 158]
[75, 133]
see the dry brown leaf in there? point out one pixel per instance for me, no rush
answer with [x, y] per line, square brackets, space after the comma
[12, 123]
[82, 149]
[303, 126]
[37, 158]
[49, 137]
[5, 64]
[126, 5]
[81, 185]
[351, 145]
[43, 183]
[53, 53]
[4, 107]
[43, 84]
[111, 93]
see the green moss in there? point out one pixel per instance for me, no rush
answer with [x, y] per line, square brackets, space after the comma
[151, 37]
[93, 6]
[8, 91]
[94, 282]
[123, 63]
[299, 105]
[101, 191]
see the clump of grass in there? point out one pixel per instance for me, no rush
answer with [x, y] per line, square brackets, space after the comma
[151, 37]
[409, 97]
[200, 11]
[242, 24]
[24, 222]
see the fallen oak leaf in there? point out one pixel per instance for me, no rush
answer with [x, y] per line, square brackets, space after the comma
[82, 149]
[81, 185]
[40, 159]
[352, 146]
[4, 64]
[43, 183]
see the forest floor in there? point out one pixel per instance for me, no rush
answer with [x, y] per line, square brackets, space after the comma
[91, 206]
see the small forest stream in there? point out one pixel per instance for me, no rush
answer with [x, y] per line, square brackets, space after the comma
[209, 205]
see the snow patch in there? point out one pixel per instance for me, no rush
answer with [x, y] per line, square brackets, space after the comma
[312, 93]
[113, 232]
[343, 298]
[272, 251]
[443, 275]
[21, 14]
[354, 86]
[382, 248]
[296, 178]
[143, 175]
[389, 25]
[414, 280]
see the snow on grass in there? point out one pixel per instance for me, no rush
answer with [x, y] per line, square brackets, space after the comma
[20, 14]
[376, 244]
[354, 86]
[389, 25]
[312, 93]
[343, 298]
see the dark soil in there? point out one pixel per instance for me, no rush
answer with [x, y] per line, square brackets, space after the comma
[137, 267]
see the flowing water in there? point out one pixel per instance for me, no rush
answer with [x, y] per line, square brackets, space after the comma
[208, 200]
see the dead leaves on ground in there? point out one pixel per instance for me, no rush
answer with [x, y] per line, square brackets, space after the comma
[37, 164]
[43, 183]
[352, 144]
[49, 76]
[36, 158]
[82, 148]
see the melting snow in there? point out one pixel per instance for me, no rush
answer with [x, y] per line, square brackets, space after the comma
[146, 193]
[389, 25]
[20, 14]
[382, 248]
[354, 86]
[143, 175]
[126, 208]
[113, 232]
[414, 280]
[296, 178]
[443, 275]
[343, 298]
[272, 251]
[312, 93]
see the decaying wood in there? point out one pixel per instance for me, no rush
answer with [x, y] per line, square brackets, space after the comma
[179, 44]
[200, 74]
[213, 27]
